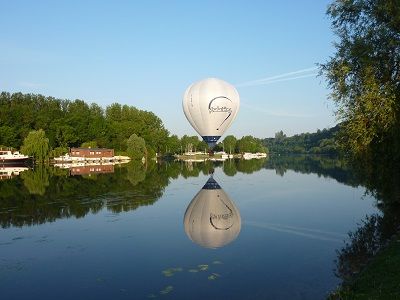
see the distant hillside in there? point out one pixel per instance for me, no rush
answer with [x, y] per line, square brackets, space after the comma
[320, 142]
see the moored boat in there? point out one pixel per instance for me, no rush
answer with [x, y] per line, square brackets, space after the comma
[8, 157]
[257, 155]
[87, 160]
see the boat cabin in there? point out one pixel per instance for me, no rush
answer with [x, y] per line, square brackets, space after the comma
[91, 152]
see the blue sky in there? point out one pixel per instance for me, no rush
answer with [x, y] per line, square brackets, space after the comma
[146, 53]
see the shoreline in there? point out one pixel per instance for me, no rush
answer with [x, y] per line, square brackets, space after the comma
[380, 279]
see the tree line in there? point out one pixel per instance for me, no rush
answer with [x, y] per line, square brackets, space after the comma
[320, 142]
[46, 127]
[63, 123]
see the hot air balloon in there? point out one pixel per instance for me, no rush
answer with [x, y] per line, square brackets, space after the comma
[211, 105]
[212, 219]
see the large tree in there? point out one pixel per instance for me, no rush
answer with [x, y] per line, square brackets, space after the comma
[173, 144]
[251, 144]
[364, 73]
[136, 147]
[229, 143]
[36, 144]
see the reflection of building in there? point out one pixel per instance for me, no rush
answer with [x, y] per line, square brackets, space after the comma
[92, 169]
[212, 219]
[91, 152]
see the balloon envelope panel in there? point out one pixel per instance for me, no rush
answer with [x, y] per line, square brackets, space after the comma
[211, 105]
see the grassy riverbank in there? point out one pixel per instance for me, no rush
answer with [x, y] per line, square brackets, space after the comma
[379, 280]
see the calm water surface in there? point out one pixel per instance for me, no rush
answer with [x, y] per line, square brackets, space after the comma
[258, 229]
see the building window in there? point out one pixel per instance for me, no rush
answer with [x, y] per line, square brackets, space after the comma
[91, 152]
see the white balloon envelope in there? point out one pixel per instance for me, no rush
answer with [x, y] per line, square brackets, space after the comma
[212, 219]
[211, 105]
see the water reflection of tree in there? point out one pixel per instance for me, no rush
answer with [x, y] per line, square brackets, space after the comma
[381, 177]
[250, 166]
[229, 168]
[136, 172]
[47, 194]
[145, 192]
[36, 180]
[194, 169]
[325, 166]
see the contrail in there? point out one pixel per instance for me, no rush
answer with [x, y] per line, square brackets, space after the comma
[287, 79]
[280, 77]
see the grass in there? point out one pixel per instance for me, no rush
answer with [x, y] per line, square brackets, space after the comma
[379, 280]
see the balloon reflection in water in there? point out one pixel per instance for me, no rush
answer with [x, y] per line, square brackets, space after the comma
[212, 219]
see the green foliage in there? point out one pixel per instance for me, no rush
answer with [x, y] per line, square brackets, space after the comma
[368, 271]
[173, 145]
[46, 194]
[36, 144]
[230, 168]
[364, 74]
[36, 181]
[364, 77]
[76, 123]
[191, 143]
[229, 143]
[58, 151]
[251, 144]
[8, 136]
[280, 137]
[202, 146]
[320, 142]
[380, 279]
[90, 144]
[125, 120]
[370, 263]
[136, 147]
[150, 153]
[72, 123]
[136, 172]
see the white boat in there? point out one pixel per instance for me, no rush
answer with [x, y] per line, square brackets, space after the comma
[67, 158]
[80, 159]
[257, 155]
[261, 154]
[8, 157]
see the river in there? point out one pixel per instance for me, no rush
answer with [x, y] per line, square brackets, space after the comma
[257, 229]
